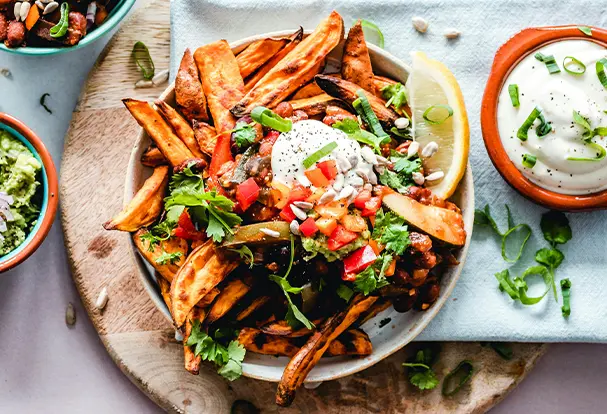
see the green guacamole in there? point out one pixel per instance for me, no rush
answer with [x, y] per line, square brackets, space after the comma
[18, 192]
[319, 245]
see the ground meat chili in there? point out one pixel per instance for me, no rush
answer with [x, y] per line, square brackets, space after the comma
[30, 23]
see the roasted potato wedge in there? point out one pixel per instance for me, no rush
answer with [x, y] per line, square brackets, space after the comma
[306, 358]
[355, 62]
[173, 149]
[202, 271]
[296, 69]
[221, 81]
[254, 306]
[191, 361]
[152, 157]
[206, 301]
[165, 290]
[181, 127]
[229, 297]
[206, 136]
[380, 82]
[312, 89]
[315, 105]
[282, 328]
[172, 245]
[258, 53]
[346, 91]
[188, 90]
[145, 207]
[293, 41]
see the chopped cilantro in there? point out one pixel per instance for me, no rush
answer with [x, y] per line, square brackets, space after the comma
[555, 227]
[402, 177]
[158, 234]
[420, 372]
[390, 230]
[396, 95]
[166, 258]
[244, 134]
[245, 253]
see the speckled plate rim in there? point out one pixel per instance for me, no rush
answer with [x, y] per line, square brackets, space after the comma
[115, 17]
[405, 326]
[506, 58]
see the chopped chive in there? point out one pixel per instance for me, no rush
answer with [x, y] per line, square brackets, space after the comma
[316, 156]
[267, 118]
[566, 292]
[372, 28]
[143, 59]
[60, 29]
[437, 120]
[363, 108]
[581, 68]
[456, 379]
[600, 71]
[586, 30]
[600, 153]
[529, 160]
[513, 91]
[549, 61]
[542, 130]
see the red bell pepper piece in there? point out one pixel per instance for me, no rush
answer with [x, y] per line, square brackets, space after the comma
[271, 136]
[340, 237]
[186, 229]
[299, 193]
[328, 168]
[246, 193]
[221, 154]
[308, 227]
[287, 214]
[371, 207]
[359, 260]
[361, 199]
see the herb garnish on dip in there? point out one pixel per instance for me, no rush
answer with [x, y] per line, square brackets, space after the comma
[19, 207]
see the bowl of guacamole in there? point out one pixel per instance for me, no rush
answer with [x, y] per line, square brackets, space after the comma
[28, 192]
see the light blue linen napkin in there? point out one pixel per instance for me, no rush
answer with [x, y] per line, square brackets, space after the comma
[477, 310]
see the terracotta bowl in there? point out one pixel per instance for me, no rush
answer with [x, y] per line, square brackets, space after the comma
[403, 327]
[49, 187]
[506, 58]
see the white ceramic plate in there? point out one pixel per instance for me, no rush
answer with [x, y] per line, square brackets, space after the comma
[403, 327]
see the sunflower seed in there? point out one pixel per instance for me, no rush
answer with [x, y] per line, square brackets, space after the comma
[372, 178]
[40, 4]
[343, 164]
[6, 72]
[327, 197]
[382, 160]
[25, 9]
[339, 182]
[102, 299]
[362, 173]
[401, 123]
[46, 1]
[437, 175]
[304, 205]
[420, 24]
[271, 233]
[413, 149]
[452, 33]
[352, 196]
[294, 226]
[353, 159]
[142, 83]
[418, 178]
[17, 10]
[356, 182]
[70, 314]
[345, 193]
[178, 336]
[368, 155]
[161, 77]
[299, 213]
[430, 149]
[50, 7]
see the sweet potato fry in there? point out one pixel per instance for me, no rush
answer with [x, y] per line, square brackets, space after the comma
[181, 127]
[308, 91]
[379, 306]
[206, 301]
[258, 53]
[202, 271]
[296, 69]
[294, 40]
[152, 157]
[173, 149]
[191, 361]
[206, 136]
[165, 290]
[145, 207]
[229, 296]
[380, 81]
[312, 89]
[351, 342]
[315, 105]
[355, 62]
[346, 91]
[255, 305]
[282, 328]
[152, 254]
[188, 90]
[221, 81]
[302, 363]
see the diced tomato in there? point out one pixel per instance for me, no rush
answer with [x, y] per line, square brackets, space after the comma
[283, 198]
[334, 209]
[328, 168]
[317, 178]
[340, 237]
[359, 260]
[371, 207]
[361, 199]
[348, 277]
[391, 269]
[377, 247]
[221, 154]
[326, 225]
[186, 229]
[299, 193]
[308, 228]
[287, 214]
[271, 136]
[246, 193]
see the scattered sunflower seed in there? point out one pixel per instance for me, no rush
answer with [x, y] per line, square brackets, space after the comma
[452, 33]
[50, 7]
[413, 149]
[17, 10]
[420, 24]
[401, 123]
[102, 299]
[368, 155]
[339, 182]
[25, 9]
[437, 175]
[327, 197]
[345, 193]
[430, 149]
[418, 178]
[294, 227]
[6, 72]
[142, 83]
[269, 232]
[304, 205]
[161, 77]
[70, 314]
[40, 4]
[299, 213]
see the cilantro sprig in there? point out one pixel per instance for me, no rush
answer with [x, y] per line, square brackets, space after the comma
[484, 218]
[396, 96]
[401, 178]
[159, 233]
[166, 258]
[419, 370]
[246, 254]
[244, 134]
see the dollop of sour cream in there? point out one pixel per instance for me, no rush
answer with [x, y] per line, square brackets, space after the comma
[304, 139]
[557, 95]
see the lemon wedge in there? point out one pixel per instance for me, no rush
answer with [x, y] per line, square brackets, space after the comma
[432, 85]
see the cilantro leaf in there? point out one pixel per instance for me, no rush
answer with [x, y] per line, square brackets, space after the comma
[396, 95]
[390, 230]
[551, 258]
[369, 280]
[344, 292]
[425, 380]
[402, 177]
[354, 131]
[392, 180]
[232, 370]
[420, 372]
[158, 234]
[166, 258]
[555, 227]
[405, 165]
[244, 134]
[246, 254]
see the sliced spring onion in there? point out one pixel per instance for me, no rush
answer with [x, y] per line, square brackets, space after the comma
[583, 122]
[363, 108]
[437, 120]
[60, 29]
[524, 129]
[266, 117]
[144, 61]
[43, 102]
[600, 71]
[456, 379]
[520, 283]
[529, 160]
[372, 28]
[513, 92]
[581, 68]
[512, 230]
[600, 131]
[566, 292]
[544, 128]
[600, 153]
[317, 155]
[586, 30]
[549, 61]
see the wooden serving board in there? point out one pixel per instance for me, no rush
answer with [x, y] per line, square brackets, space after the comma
[135, 333]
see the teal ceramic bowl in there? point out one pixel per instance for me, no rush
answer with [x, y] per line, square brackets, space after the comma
[48, 192]
[119, 12]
